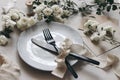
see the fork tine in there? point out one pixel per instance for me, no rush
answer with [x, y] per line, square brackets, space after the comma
[50, 34]
[47, 34]
[44, 33]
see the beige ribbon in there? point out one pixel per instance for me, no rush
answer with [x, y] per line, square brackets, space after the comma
[8, 70]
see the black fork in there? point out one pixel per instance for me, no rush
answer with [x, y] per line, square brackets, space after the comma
[50, 40]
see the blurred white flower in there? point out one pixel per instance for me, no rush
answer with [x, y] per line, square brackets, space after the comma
[91, 24]
[3, 40]
[109, 29]
[5, 17]
[31, 21]
[11, 24]
[39, 8]
[15, 14]
[57, 10]
[95, 37]
[22, 23]
[59, 19]
[55, 7]
[47, 11]
[102, 35]
[25, 23]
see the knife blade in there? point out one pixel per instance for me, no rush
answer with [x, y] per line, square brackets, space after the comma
[50, 48]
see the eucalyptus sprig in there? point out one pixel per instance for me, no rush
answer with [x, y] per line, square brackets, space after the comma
[101, 6]
[6, 32]
[106, 5]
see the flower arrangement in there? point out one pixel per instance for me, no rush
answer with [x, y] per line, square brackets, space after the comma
[98, 33]
[54, 10]
[101, 6]
[14, 18]
[48, 10]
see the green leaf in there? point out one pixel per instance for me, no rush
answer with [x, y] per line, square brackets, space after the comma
[6, 32]
[114, 7]
[110, 1]
[108, 8]
[34, 7]
[98, 9]
[99, 13]
[38, 3]
[45, 2]
[80, 9]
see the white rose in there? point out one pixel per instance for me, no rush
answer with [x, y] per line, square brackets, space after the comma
[5, 17]
[57, 10]
[11, 24]
[95, 37]
[31, 22]
[91, 24]
[108, 29]
[102, 34]
[25, 23]
[55, 7]
[59, 19]
[40, 8]
[3, 40]
[14, 16]
[22, 23]
[47, 11]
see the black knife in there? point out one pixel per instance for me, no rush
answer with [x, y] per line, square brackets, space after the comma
[50, 48]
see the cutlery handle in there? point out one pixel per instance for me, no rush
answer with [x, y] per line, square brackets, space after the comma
[70, 68]
[85, 59]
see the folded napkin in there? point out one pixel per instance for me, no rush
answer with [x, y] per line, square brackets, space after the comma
[8, 70]
[67, 46]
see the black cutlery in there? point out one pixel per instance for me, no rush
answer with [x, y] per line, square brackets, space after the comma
[49, 39]
[51, 49]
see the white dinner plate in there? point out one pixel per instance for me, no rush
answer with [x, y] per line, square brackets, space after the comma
[37, 57]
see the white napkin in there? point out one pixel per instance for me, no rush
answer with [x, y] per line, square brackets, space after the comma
[67, 46]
